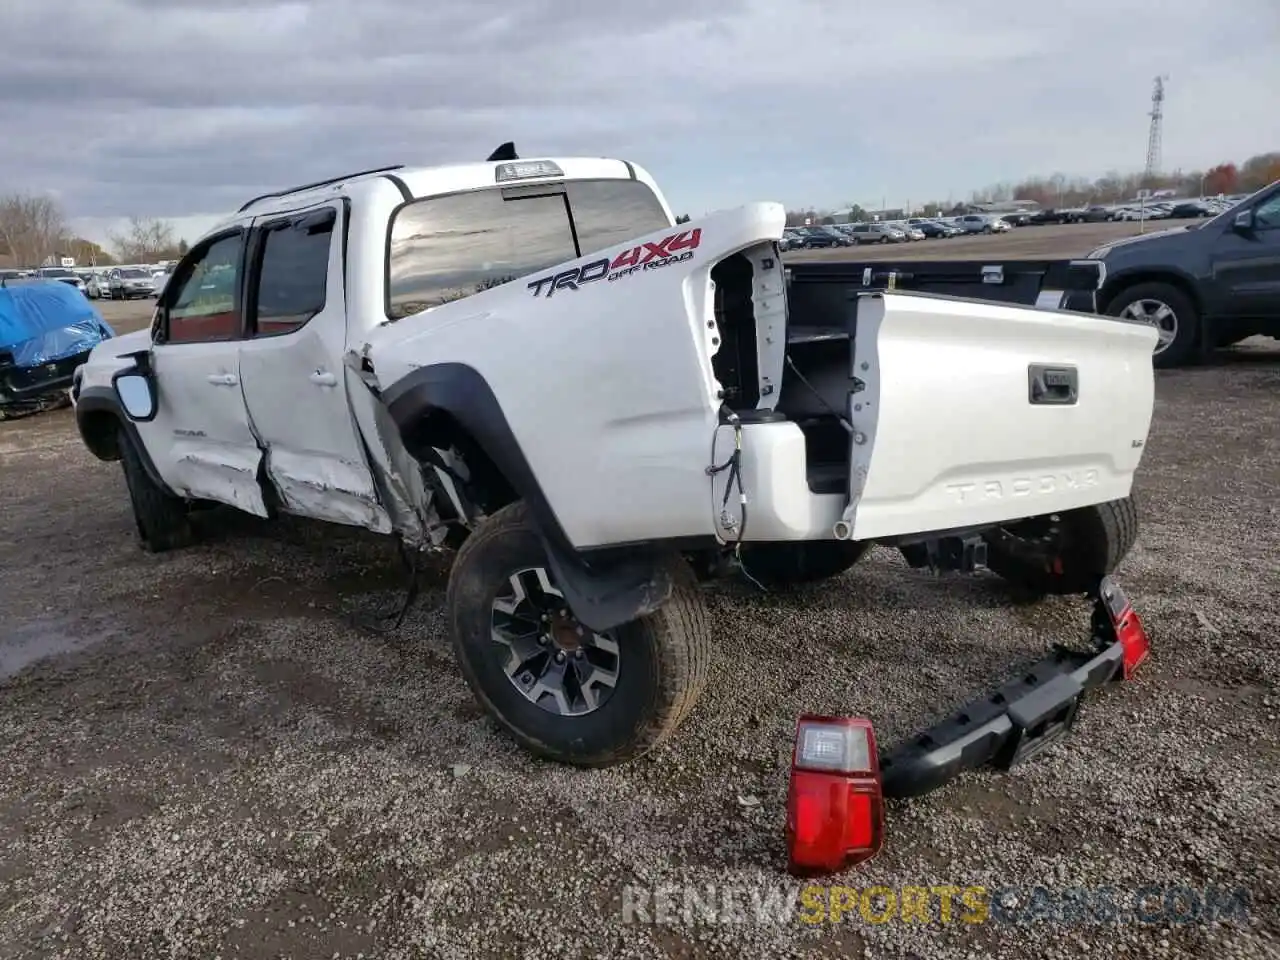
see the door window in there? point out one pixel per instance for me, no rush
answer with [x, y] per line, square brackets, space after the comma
[205, 303]
[1267, 214]
[292, 273]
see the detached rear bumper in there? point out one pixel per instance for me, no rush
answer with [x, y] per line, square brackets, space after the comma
[1026, 714]
[25, 384]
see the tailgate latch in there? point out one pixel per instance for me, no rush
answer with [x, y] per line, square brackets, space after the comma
[1052, 385]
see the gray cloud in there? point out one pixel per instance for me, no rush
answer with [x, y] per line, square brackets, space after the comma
[180, 109]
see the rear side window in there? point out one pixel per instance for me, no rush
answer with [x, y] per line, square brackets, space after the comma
[611, 212]
[293, 273]
[447, 248]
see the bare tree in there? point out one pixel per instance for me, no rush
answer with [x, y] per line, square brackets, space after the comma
[31, 227]
[145, 239]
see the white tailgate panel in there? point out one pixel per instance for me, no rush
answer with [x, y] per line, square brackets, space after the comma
[951, 438]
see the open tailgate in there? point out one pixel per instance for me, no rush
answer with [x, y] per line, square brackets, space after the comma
[968, 413]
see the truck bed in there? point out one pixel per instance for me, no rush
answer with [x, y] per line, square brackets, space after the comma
[936, 397]
[1047, 284]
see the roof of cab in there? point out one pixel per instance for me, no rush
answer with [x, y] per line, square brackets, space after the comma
[423, 181]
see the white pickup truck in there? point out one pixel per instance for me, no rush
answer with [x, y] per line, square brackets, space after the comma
[529, 360]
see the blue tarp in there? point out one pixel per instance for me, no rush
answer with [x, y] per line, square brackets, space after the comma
[44, 322]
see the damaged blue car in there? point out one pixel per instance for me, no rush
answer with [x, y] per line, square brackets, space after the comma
[46, 331]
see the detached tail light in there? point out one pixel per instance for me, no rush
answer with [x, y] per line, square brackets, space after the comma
[835, 806]
[1133, 640]
[1127, 625]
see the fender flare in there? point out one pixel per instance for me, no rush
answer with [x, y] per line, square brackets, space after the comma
[97, 399]
[605, 588]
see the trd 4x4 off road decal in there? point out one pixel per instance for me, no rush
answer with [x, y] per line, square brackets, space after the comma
[648, 256]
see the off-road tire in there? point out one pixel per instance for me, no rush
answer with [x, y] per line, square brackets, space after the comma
[1097, 539]
[663, 657]
[1185, 348]
[787, 564]
[163, 519]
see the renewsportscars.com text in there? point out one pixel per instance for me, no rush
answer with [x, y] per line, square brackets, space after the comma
[687, 905]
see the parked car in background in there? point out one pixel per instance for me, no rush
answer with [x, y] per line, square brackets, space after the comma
[1019, 219]
[126, 283]
[46, 333]
[979, 223]
[1041, 217]
[62, 275]
[816, 237]
[96, 288]
[1192, 209]
[1097, 213]
[911, 231]
[876, 233]
[161, 279]
[1201, 285]
[935, 229]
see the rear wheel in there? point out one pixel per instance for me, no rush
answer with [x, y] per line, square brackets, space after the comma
[163, 520]
[559, 688]
[1170, 311]
[1067, 552]
[788, 563]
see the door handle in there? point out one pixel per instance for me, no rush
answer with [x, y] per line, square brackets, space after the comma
[323, 378]
[223, 379]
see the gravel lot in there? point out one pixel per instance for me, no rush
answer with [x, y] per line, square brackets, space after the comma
[203, 756]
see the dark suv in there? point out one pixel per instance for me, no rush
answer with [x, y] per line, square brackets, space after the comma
[1208, 284]
[823, 237]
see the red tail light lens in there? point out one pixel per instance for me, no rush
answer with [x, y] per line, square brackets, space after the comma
[1126, 624]
[1133, 640]
[835, 808]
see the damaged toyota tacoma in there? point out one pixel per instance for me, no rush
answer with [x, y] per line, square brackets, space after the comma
[531, 362]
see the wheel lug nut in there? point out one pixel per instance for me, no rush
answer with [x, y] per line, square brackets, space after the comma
[578, 655]
[559, 656]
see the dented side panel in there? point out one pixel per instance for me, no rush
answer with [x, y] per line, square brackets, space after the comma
[327, 487]
[201, 441]
[399, 479]
[207, 469]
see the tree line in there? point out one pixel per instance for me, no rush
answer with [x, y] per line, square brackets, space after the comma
[34, 228]
[1061, 191]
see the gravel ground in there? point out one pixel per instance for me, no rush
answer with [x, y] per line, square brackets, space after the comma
[203, 756]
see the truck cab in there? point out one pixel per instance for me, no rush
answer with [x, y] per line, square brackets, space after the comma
[251, 335]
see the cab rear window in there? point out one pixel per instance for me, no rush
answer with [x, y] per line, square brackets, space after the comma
[451, 247]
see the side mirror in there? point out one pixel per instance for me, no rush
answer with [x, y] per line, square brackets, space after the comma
[136, 388]
[1243, 221]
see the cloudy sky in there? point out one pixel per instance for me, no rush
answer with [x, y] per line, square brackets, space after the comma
[184, 108]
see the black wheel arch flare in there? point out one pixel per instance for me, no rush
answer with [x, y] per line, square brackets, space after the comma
[93, 405]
